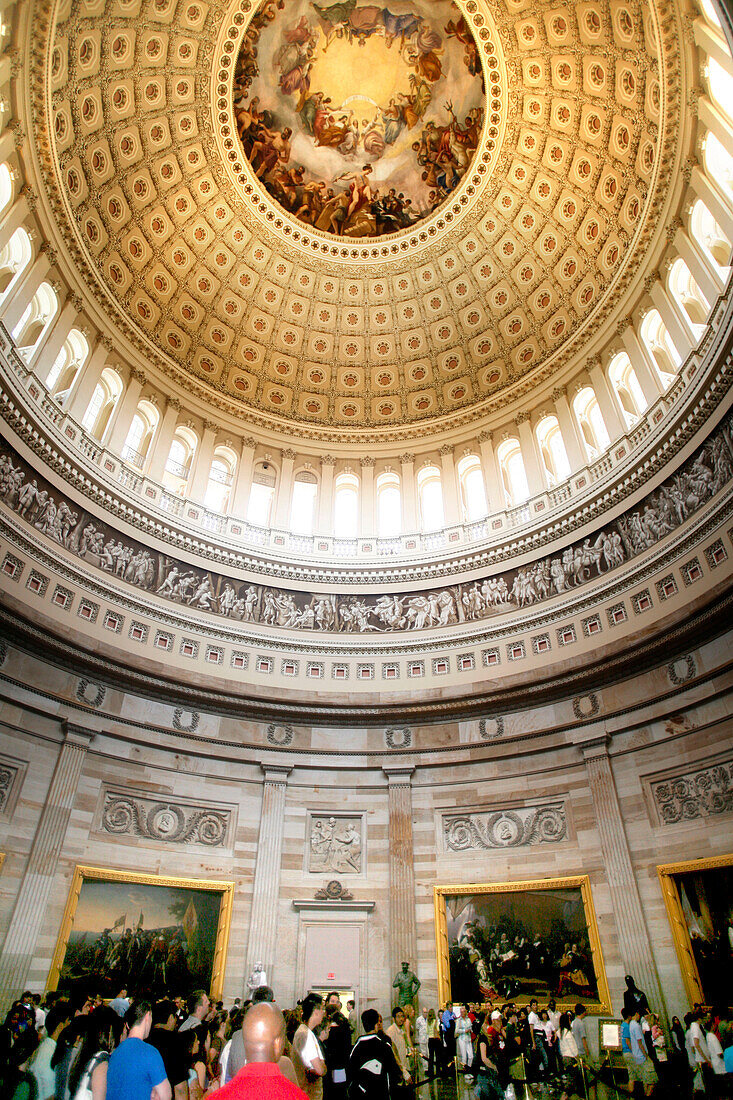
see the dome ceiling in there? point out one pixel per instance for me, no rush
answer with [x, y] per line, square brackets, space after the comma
[182, 206]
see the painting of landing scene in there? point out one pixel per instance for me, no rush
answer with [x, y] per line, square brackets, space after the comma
[699, 898]
[359, 119]
[142, 932]
[516, 941]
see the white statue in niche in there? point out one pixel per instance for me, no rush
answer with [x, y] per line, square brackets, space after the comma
[335, 845]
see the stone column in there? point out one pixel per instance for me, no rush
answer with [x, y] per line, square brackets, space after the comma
[122, 416]
[577, 457]
[451, 507]
[29, 283]
[367, 524]
[325, 499]
[712, 118]
[713, 198]
[495, 497]
[528, 447]
[402, 924]
[679, 334]
[160, 448]
[633, 936]
[86, 380]
[263, 924]
[50, 348]
[243, 481]
[708, 280]
[201, 467]
[35, 888]
[605, 398]
[647, 375]
[284, 491]
[409, 495]
[13, 218]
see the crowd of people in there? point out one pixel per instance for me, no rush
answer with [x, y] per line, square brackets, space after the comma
[83, 1048]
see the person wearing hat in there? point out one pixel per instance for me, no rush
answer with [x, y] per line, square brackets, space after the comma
[488, 1053]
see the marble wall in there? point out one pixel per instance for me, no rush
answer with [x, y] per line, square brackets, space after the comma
[645, 730]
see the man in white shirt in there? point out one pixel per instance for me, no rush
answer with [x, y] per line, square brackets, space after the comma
[421, 1034]
[538, 1036]
[699, 1050]
[581, 1039]
[198, 1010]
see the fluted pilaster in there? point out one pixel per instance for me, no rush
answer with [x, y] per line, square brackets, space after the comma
[266, 885]
[35, 888]
[633, 936]
[403, 930]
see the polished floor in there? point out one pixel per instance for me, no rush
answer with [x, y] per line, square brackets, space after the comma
[455, 1087]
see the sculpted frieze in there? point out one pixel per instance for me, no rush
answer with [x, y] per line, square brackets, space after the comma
[700, 792]
[505, 828]
[133, 813]
[126, 560]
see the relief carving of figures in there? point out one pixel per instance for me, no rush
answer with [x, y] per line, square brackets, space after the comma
[98, 544]
[695, 794]
[170, 822]
[335, 845]
[505, 828]
[7, 778]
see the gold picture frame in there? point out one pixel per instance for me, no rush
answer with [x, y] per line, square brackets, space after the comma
[84, 875]
[579, 883]
[668, 879]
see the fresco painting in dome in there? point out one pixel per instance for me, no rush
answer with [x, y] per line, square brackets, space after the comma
[359, 119]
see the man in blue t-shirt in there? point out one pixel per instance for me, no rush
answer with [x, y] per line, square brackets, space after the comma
[135, 1070]
[638, 1062]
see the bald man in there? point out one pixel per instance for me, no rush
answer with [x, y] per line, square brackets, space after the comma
[263, 1034]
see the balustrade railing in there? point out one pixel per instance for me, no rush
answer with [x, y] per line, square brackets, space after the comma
[407, 545]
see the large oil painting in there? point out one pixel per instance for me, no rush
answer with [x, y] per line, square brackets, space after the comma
[142, 932]
[699, 899]
[519, 940]
[359, 119]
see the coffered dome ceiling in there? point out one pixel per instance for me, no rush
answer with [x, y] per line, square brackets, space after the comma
[536, 145]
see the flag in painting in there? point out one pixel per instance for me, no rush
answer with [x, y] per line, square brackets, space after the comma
[140, 919]
[190, 920]
[120, 922]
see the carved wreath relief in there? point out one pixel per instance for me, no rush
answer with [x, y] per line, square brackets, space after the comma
[505, 828]
[695, 794]
[171, 822]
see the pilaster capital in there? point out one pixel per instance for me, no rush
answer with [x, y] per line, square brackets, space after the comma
[249, 442]
[77, 735]
[290, 454]
[594, 746]
[522, 417]
[407, 459]
[276, 773]
[650, 282]
[484, 436]
[399, 775]
[173, 403]
[328, 460]
[367, 461]
[446, 449]
[558, 393]
[137, 375]
[211, 426]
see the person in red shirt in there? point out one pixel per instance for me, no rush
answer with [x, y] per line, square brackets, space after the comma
[263, 1032]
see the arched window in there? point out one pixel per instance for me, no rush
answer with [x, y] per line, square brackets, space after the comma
[711, 238]
[622, 377]
[513, 474]
[665, 355]
[346, 506]
[104, 399]
[221, 477]
[303, 503]
[430, 499]
[389, 505]
[261, 495]
[69, 360]
[687, 293]
[36, 318]
[472, 489]
[720, 84]
[139, 434]
[14, 259]
[709, 13]
[718, 163]
[6, 188]
[590, 422]
[552, 449]
[180, 456]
